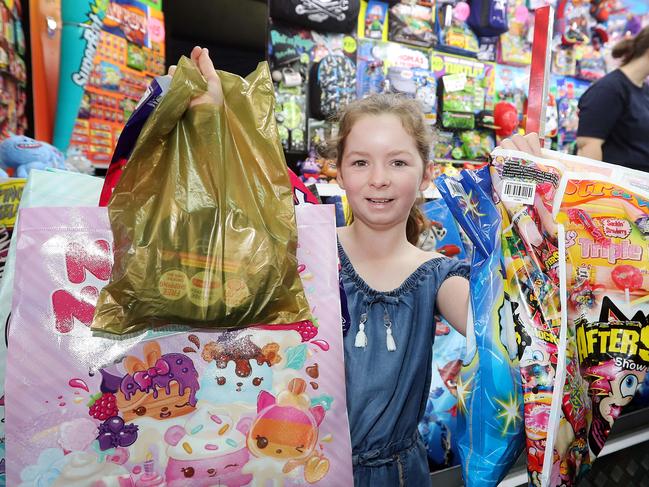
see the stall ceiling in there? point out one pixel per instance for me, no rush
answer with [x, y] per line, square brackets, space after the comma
[239, 23]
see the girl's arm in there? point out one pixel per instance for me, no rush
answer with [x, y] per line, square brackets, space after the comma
[453, 302]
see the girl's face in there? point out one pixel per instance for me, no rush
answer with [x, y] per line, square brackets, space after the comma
[381, 171]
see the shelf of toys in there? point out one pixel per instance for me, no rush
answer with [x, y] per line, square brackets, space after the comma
[13, 71]
[447, 56]
[114, 72]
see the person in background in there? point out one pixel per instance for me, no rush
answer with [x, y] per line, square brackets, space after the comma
[614, 111]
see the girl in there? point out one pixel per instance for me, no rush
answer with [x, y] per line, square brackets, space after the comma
[393, 288]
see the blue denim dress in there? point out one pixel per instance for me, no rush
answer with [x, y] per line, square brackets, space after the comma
[387, 390]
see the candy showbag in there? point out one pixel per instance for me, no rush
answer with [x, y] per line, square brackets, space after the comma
[438, 427]
[524, 188]
[490, 415]
[442, 234]
[189, 408]
[607, 269]
[203, 215]
[43, 188]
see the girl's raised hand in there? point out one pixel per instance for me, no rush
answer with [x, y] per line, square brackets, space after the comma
[529, 143]
[201, 58]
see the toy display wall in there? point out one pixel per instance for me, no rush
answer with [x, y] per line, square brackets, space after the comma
[91, 62]
[458, 64]
[13, 71]
[129, 53]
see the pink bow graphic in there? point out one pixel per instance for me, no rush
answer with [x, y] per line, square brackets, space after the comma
[144, 378]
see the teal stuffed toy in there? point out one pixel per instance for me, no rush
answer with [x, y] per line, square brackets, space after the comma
[22, 154]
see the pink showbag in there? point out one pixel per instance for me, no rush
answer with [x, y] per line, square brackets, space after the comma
[178, 408]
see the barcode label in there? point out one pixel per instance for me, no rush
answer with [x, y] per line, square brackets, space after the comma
[518, 192]
[454, 188]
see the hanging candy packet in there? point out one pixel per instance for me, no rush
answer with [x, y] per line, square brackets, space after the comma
[490, 416]
[607, 269]
[524, 188]
[258, 406]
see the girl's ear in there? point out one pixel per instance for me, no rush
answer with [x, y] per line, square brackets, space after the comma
[428, 176]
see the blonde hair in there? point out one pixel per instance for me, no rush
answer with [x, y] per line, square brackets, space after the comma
[632, 47]
[413, 121]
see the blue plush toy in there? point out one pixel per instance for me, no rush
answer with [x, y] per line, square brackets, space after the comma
[22, 154]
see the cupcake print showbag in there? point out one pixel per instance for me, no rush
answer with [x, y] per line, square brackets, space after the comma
[176, 408]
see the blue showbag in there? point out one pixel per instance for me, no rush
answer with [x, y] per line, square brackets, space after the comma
[489, 395]
[438, 426]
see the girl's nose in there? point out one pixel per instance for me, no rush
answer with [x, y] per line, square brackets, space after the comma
[379, 177]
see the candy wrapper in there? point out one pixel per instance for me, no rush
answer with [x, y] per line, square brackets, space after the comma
[524, 188]
[193, 408]
[607, 268]
[490, 403]
[203, 215]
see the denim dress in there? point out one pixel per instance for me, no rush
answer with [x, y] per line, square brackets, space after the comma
[388, 379]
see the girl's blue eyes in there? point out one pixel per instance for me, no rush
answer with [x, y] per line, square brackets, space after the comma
[397, 163]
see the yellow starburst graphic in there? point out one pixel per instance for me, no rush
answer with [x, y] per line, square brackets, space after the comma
[510, 412]
[464, 389]
[468, 205]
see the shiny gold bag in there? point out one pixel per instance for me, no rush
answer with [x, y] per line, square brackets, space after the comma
[203, 219]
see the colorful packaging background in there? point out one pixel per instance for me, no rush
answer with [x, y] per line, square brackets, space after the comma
[82, 21]
[48, 413]
[608, 289]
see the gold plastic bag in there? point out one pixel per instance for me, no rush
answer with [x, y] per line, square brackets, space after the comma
[203, 218]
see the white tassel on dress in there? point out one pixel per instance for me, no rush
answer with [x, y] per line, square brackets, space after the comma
[390, 343]
[389, 339]
[361, 337]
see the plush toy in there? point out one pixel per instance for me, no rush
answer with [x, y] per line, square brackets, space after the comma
[22, 154]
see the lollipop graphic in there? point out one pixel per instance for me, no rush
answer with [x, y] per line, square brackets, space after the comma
[628, 278]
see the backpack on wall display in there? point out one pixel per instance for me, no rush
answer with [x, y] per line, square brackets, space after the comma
[332, 85]
[488, 17]
[320, 15]
[416, 83]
